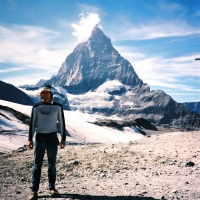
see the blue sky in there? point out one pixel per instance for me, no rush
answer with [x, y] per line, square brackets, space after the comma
[161, 38]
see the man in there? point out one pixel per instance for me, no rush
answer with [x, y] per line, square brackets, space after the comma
[47, 119]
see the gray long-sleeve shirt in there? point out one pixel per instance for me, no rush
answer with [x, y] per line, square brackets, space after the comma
[47, 118]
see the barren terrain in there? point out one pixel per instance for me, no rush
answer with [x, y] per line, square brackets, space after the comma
[164, 166]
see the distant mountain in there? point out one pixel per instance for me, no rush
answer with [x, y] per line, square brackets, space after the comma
[39, 84]
[193, 106]
[9, 92]
[92, 63]
[114, 98]
[26, 86]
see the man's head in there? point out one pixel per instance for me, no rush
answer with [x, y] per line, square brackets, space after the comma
[46, 94]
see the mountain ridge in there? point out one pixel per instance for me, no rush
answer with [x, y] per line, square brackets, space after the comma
[11, 93]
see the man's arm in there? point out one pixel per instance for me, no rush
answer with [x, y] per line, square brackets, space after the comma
[31, 129]
[62, 128]
[30, 144]
[62, 144]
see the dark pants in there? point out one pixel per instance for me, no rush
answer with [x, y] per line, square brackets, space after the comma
[48, 142]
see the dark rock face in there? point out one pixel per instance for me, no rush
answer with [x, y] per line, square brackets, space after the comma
[9, 92]
[193, 106]
[137, 124]
[145, 124]
[92, 63]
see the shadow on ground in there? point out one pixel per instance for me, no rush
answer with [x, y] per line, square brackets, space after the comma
[89, 197]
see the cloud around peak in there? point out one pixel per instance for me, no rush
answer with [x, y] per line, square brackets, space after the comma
[83, 29]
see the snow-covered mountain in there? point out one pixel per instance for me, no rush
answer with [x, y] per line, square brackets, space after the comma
[113, 98]
[92, 63]
[59, 95]
[40, 83]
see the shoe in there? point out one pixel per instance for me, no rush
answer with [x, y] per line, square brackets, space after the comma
[33, 196]
[54, 193]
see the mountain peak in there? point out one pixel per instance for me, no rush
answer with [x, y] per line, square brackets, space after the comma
[92, 63]
[97, 32]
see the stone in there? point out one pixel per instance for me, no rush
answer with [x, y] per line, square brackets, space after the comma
[189, 164]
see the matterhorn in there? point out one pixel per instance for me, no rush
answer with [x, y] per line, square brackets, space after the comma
[92, 63]
[96, 64]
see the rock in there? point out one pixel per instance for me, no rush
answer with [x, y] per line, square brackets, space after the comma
[136, 124]
[162, 198]
[141, 122]
[174, 191]
[189, 164]
[76, 162]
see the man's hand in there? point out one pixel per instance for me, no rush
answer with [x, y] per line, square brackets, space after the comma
[30, 144]
[62, 144]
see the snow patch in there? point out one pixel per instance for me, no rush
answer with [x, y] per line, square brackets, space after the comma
[80, 126]
[110, 86]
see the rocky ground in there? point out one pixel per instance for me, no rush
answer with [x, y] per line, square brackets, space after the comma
[164, 166]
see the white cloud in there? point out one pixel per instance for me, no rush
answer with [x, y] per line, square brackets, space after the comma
[171, 6]
[32, 47]
[32, 78]
[12, 69]
[83, 29]
[162, 72]
[158, 29]
[129, 53]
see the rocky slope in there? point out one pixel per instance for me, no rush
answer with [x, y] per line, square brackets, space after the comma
[9, 92]
[164, 166]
